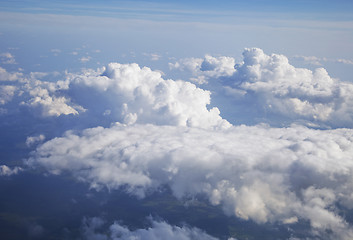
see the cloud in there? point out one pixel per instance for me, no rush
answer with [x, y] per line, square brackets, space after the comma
[6, 171]
[30, 141]
[204, 69]
[268, 88]
[50, 105]
[159, 230]
[6, 76]
[134, 94]
[294, 92]
[7, 58]
[164, 133]
[318, 61]
[6, 93]
[85, 59]
[30, 90]
[129, 93]
[256, 173]
[153, 56]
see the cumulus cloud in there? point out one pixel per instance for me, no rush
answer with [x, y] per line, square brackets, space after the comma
[134, 94]
[6, 171]
[255, 173]
[204, 69]
[294, 92]
[129, 93]
[30, 90]
[50, 105]
[159, 230]
[269, 88]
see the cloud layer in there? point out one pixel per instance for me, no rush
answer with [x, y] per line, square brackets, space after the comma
[159, 230]
[292, 174]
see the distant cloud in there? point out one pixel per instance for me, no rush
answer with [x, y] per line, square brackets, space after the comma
[55, 51]
[30, 141]
[7, 58]
[153, 56]
[85, 59]
[159, 230]
[6, 76]
[6, 171]
[207, 68]
[6, 93]
[319, 61]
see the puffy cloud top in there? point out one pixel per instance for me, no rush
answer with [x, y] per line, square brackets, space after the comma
[287, 89]
[269, 88]
[141, 95]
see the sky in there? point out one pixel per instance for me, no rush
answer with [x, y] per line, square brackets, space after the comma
[176, 119]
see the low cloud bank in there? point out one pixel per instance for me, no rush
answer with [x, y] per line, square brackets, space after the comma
[159, 230]
[258, 173]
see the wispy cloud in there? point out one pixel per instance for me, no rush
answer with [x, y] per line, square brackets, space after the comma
[319, 61]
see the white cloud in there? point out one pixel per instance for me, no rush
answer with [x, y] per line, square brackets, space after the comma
[268, 88]
[7, 58]
[258, 173]
[6, 171]
[30, 141]
[153, 56]
[6, 93]
[207, 68]
[135, 94]
[45, 96]
[131, 94]
[6, 76]
[85, 59]
[55, 50]
[318, 61]
[294, 92]
[50, 105]
[159, 230]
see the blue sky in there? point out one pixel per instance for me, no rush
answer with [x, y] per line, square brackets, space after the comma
[313, 7]
[179, 28]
